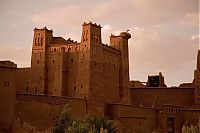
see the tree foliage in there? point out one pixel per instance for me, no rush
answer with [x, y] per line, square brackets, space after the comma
[65, 120]
[191, 129]
[66, 123]
[100, 123]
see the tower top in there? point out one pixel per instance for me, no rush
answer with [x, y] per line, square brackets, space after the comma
[93, 24]
[125, 35]
[44, 28]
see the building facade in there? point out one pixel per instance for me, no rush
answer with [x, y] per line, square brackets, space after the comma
[94, 79]
[88, 69]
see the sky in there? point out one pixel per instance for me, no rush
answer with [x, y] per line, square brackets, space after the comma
[165, 33]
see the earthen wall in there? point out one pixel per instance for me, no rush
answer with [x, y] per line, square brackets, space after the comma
[7, 97]
[155, 97]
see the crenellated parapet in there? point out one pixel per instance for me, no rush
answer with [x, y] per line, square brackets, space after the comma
[93, 24]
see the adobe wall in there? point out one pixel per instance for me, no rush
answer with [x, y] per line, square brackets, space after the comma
[56, 70]
[111, 75]
[7, 96]
[23, 80]
[132, 118]
[170, 112]
[155, 97]
[191, 116]
[73, 64]
[81, 83]
[41, 110]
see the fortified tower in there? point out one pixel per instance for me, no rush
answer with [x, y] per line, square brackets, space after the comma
[91, 37]
[121, 43]
[89, 76]
[91, 33]
[197, 80]
[41, 39]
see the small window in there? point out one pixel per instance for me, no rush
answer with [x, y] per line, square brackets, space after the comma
[75, 88]
[35, 41]
[38, 41]
[53, 61]
[41, 41]
[38, 62]
[6, 84]
[26, 88]
[81, 86]
[35, 89]
[55, 90]
[71, 60]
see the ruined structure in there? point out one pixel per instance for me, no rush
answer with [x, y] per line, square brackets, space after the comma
[94, 79]
[7, 95]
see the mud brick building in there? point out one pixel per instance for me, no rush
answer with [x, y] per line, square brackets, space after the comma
[94, 79]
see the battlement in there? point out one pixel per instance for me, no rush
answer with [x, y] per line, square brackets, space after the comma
[125, 35]
[45, 28]
[90, 23]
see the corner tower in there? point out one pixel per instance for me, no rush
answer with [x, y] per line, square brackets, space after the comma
[89, 77]
[197, 80]
[41, 39]
[121, 43]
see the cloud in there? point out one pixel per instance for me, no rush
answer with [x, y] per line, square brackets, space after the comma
[152, 52]
[191, 19]
[20, 56]
[106, 28]
[195, 37]
[137, 12]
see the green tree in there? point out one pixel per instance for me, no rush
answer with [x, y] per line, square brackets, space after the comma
[102, 124]
[67, 124]
[191, 129]
[64, 120]
[78, 127]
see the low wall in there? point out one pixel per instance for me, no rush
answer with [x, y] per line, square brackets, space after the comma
[191, 116]
[134, 119]
[41, 110]
[155, 97]
[23, 79]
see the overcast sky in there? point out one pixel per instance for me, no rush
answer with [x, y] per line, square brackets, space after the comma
[165, 33]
